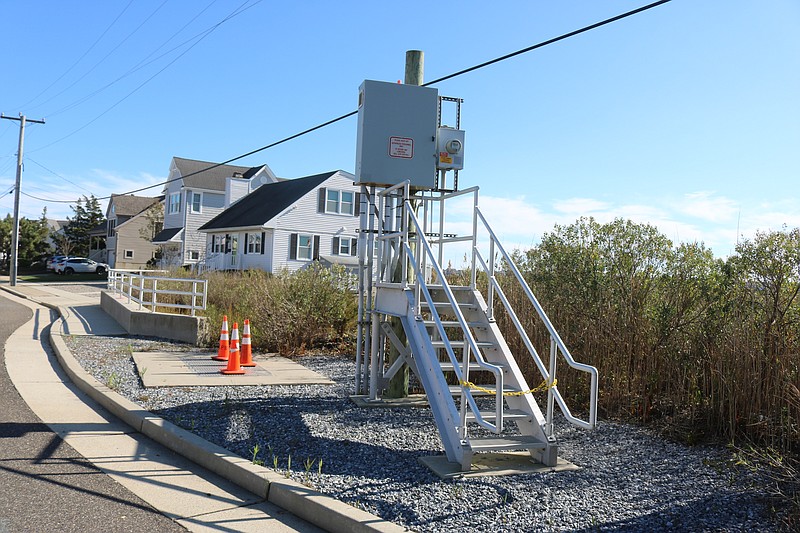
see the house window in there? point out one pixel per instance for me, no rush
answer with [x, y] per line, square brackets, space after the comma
[128, 254]
[305, 244]
[303, 247]
[340, 202]
[344, 245]
[194, 255]
[174, 203]
[218, 244]
[254, 243]
[112, 223]
[197, 198]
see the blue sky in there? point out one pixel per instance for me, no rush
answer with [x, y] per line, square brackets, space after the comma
[686, 116]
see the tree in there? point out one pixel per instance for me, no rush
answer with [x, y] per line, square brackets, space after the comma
[5, 240]
[87, 216]
[32, 243]
[154, 217]
[32, 239]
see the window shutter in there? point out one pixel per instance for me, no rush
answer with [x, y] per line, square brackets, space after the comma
[335, 248]
[263, 244]
[316, 248]
[293, 246]
[322, 199]
[357, 207]
[246, 244]
[353, 245]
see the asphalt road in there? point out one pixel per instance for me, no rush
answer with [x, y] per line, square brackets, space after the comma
[45, 485]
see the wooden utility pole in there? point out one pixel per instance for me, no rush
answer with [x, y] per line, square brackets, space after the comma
[398, 385]
[15, 230]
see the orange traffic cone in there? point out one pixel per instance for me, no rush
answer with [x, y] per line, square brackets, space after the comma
[247, 349]
[233, 362]
[224, 352]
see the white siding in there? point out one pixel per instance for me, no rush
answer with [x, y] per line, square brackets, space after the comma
[193, 240]
[173, 220]
[306, 219]
[301, 218]
[243, 261]
[235, 189]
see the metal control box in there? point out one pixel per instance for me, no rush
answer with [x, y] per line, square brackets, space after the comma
[396, 134]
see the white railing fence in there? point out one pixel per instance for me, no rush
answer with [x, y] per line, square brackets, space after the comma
[151, 290]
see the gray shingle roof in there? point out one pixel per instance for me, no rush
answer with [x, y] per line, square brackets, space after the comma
[265, 203]
[165, 235]
[129, 205]
[213, 179]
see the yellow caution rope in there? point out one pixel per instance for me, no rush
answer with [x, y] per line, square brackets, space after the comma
[543, 386]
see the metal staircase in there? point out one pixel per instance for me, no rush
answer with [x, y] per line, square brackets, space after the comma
[478, 395]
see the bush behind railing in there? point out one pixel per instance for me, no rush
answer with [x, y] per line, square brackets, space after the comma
[703, 346]
[288, 312]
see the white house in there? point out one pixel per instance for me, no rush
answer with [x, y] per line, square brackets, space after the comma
[287, 224]
[196, 192]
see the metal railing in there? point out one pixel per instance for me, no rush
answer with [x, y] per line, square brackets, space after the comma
[556, 344]
[494, 290]
[142, 287]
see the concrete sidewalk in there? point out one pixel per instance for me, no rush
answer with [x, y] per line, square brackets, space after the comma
[204, 488]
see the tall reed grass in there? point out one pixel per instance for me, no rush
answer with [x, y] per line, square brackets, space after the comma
[704, 346]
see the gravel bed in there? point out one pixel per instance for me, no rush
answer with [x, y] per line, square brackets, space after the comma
[630, 479]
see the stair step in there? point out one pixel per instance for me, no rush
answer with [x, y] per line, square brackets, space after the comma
[454, 324]
[446, 305]
[509, 414]
[518, 442]
[447, 366]
[460, 344]
[454, 288]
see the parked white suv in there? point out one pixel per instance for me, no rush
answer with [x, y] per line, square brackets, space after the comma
[71, 265]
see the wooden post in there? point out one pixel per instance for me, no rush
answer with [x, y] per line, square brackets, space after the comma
[398, 385]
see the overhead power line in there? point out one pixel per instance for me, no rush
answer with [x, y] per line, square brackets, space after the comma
[79, 59]
[350, 114]
[58, 175]
[93, 67]
[141, 64]
[238, 11]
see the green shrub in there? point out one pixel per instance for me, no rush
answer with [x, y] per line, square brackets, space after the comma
[289, 312]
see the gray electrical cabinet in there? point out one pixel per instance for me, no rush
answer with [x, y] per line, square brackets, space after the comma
[396, 134]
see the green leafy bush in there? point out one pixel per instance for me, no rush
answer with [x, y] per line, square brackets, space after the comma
[289, 312]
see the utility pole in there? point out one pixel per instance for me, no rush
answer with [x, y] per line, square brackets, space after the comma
[398, 385]
[15, 230]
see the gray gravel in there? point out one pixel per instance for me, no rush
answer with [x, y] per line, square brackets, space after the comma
[630, 480]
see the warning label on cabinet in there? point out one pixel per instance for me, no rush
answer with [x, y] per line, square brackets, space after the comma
[402, 147]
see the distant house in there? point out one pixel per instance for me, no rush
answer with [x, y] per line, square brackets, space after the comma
[56, 229]
[97, 239]
[286, 225]
[127, 220]
[97, 242]
[196, 192]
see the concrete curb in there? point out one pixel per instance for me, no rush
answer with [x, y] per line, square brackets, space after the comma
[314, 507]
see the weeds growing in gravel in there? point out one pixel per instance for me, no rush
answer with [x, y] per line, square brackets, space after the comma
[113, 381]
[254, 451]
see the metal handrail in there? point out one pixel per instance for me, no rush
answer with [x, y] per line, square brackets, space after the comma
[556, 343]
[469, 339]
[134, 285]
